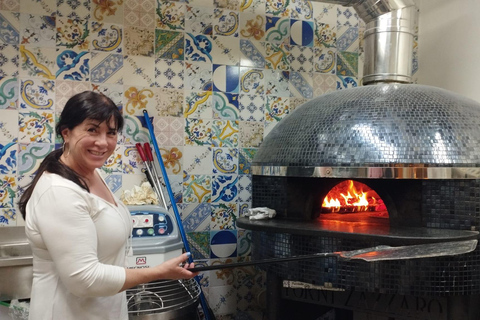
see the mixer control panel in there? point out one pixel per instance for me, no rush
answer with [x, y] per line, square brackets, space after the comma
[151, 224]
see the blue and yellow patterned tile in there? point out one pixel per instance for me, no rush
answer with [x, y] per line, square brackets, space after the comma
[276, 108]
[8, 157]
[66, 89]
[276, 56]
[252, 54]
[226, 50]
[134, 129]
[301, 33]
[278, 8]
[301, 9]
[73, 64]
[169, 103]
[10, 31]
[198, 47]
[225, 78]
[169, 132]
[172, 158]
[251, 107]
[198, 132]
[37, 30]
[325, 60]
[198, 105]
[324, 83]
[140, 13]
[8, 217]
[199, 245]
[347, 64]
[223, 216]
[224, 301]
[223, 244]
[244, 242]
[169, 74]
[140, 70]
[252, 26]
[252, 81]
[198, 76]
[170, 15]
[9, 127]
[244, 188]
[113, 91]
[225, 160]
[277, 30]
[37, 94]
[9, 60]
[74, 9]
[73, 34]
[325, 35]
[31, 155]
[199, 19]
[9, 5]
[301, 59]
[227, 4]
[45, 7]
[276, 82]
[9, 93]
[131, 161]
[169, 44]
[346, 82]
[36, 126]
[114, 162]
[106, 68]
[139, 41]
[136, 99]
[251, 134]
[107, 11]
[197, 160]
[225, 106]
[224, 188]
[301, 85]
[243, 209]
[38, 62]
[196, 218]
[225, 133]
[197, 188]
[245, 159]
[225, 22]
[222, 277]
[106, 37]
[253, 6]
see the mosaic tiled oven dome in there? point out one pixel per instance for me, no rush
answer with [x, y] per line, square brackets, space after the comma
[378, 126]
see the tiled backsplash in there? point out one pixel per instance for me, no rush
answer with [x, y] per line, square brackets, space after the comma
[215, 75]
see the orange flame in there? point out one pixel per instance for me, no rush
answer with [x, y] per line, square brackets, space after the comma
[352, 195]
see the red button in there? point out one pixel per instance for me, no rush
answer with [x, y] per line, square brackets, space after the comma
[161, 231]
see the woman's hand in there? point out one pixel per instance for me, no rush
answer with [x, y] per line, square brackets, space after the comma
[176, 268]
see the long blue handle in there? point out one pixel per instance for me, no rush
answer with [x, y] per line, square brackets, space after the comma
[203, 301]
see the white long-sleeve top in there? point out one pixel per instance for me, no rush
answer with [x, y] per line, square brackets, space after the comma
[79, 244]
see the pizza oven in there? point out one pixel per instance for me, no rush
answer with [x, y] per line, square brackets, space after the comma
[390, 163]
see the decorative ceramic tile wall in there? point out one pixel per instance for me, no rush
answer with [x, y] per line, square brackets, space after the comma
[215, 75]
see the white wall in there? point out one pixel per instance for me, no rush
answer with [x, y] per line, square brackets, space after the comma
[449, 45]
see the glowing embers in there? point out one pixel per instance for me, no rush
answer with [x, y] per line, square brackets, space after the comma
[352, 196]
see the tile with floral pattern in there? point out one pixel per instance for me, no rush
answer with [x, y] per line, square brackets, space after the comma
[198, 132]
[226, 50]
[226, 276]
[10, 5]
[244, 242]
[325, 35]
[245, 159]
[251, 134]
[252, 54]
[251, 107]
[170, 15]
[243, 209]
[37, 30]
[36, 126]
[31, 155]
[348, 39]
[277, 30]
[133, 129]
[106, 67]
[72, 64]
[136, 99]
[223, 216]
[169, 44]
[227, 4]
[169, 74]
[324, 83]
[139, 41]
[251, 81]
[196, 218]
[278, 8]
[347, 64]
[37, 94]
[131, 160]
[346, 17]
[276, 82]
[8, 93]
[276, 56]
[198, 47]
[65, 89]
[73, 33]
[276, 108]
[45, 7]
[244, 188]
[199, 242]
[325, 60]
[225, 133]
[114, 182]
[140, 70]
[140, 13]
[225, 106]
[172, 159]
[9, 60]
[199, 20]
[8, 217]
[252, 26]
[114, 162]
[107, 11]
[9, 126]
[106, 37]
[224, 189]
[10, 31]
[74, 9]
[225, 22]
[197, 188]
[8, 156]
[225, 300]
[346, 82]
[169, 132]
[296, 102]
[225, 78]
[250, 6]
[198, 105]
[38, 62]
[197, 160]
[301, 9]
[8, 186]
[301, 59]
[198, 76]
[169, 102]
[225, 160]
[301, 85]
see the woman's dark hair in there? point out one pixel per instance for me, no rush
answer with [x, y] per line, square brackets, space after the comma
[82, 106]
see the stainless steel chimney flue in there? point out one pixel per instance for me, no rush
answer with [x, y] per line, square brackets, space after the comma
[388, 37]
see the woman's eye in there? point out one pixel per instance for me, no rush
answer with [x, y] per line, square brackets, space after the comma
[92, 129]
[112, 133]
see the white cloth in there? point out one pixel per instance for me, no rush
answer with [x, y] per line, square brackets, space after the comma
[78, 242]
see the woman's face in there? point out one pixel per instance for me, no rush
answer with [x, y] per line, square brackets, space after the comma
[89, 145]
